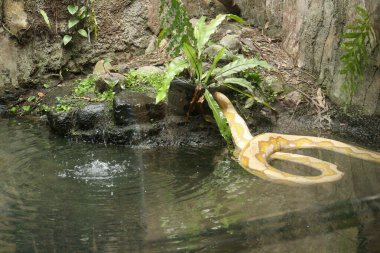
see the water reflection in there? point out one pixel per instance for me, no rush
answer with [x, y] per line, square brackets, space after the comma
[57, 196]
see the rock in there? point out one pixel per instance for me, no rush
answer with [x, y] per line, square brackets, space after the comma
[88, 116]
[163, 44]
[231, 42]
[132, 108]
[150, 70]
[152, 45]
[3, 111]
[61, 122]
[212, 51]
[194, 21]
[104, 81]
[230, 28]
[15, 16]
[179, 97]
[293, 98]
[102, 67]
[274, 84]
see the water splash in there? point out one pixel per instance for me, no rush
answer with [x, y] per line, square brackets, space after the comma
[96, 171]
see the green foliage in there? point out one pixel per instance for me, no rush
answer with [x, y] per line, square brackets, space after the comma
[82, 21]
[46, 18]
[86, 85]
[142, 82]
[174, 68]
[192, 43]
[175, 24]
[219, 118]
[62, 105]
[357, 40]
[108, 94]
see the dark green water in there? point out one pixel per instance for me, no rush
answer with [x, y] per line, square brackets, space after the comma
[60, 196]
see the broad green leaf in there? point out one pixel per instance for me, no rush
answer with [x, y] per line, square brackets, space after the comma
[31, 98]
[72, 9]
[217, 58]
[46, 18]
[241, 65]
[83, 33]
[26, 108]
[221, 121]
[67, 39]
[240, 81]
[82, 12]
[191, 55]
[172, 70]
[203, 32]
[72, 22]
[236, 18]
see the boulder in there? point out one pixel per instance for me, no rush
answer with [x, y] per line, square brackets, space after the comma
[136, 108]
[231, 42]
[15, 16]
[179, 97]
[150, 70]
[105, 79]
[213, 50]
[89, 116]
[61, 122]
[102, 67]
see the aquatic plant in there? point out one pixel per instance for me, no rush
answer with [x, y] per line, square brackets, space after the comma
[358, 41]
[192, 43]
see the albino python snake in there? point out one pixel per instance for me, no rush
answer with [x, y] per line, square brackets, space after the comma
[255, 153]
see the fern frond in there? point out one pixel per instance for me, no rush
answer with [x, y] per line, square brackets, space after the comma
[175, 24]
[356, 50]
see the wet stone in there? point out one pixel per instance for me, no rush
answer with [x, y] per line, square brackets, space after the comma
[87, 117]
[179, 97]
[136, 108]
[60, 122]
[3, 111]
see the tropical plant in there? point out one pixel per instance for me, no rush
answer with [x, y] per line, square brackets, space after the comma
[358, 41]
[192, 48]
[82, 21]
[175, 24]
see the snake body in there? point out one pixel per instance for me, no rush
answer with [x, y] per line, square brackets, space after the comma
[255, 153]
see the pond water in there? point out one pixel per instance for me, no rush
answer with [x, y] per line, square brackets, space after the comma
[60, 196]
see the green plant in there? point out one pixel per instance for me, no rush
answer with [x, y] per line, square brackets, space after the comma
[85, 85]
[358, 40]
[142, 82]
[175, 24]
[62, 105]
[82, 21]
[193, 52]
[46, 18]
[109, 93]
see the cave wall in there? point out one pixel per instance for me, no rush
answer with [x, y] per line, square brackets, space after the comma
[310, 31]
